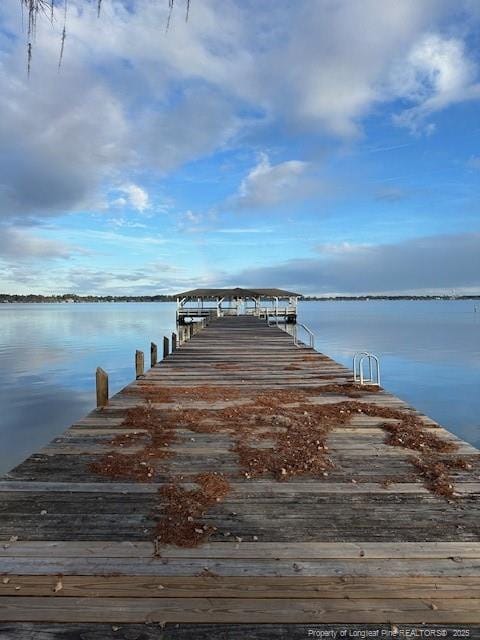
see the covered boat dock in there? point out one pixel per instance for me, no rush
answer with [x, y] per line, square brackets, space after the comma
[218, 303]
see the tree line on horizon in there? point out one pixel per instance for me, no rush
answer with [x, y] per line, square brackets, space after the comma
[73, 297]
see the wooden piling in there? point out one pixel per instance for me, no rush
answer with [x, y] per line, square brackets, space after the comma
[166, 350]
[101, 383]
[153, 354]
[139, 364]
[174, 342]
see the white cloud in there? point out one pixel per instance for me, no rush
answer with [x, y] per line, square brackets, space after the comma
[267, 185]
[122, 240]
[119, 202]
[60, 137]
[135, 196]
[331, 71]
[189, 217]
[196, 222]
[125, 223]
[436, 74]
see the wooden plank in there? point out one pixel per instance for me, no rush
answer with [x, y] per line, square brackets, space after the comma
[295, 550]
[352, 449]
[230, 567]
[240, 587]
[65, 468]
[234, 610]
[342, 506]
[245, 488]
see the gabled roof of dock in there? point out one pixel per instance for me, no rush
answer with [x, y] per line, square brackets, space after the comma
[237, 292]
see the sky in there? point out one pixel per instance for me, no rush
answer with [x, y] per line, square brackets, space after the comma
[322, 146]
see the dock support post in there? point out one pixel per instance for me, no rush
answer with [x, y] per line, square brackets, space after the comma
[101, 383]
[174, 342]
[165, 347]
[139, 364]
[153, 354]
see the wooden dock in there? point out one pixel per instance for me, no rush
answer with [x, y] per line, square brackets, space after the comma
[366, 541]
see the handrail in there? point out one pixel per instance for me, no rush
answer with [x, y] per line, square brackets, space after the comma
[294, 332]
[311, 335]
[373, 371]
[356, 356]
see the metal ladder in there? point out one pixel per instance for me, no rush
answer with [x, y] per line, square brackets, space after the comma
[373, 368]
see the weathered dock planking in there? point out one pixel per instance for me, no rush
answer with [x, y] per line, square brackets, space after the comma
[369, 544]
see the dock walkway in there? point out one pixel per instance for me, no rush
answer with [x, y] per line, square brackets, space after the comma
[355, 535]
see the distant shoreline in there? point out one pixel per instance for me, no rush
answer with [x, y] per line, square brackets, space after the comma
[74, 299]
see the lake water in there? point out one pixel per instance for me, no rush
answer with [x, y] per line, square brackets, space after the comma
[430, 356]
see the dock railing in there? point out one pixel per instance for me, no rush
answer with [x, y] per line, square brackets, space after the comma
[292, 330]
[310, 334]
[194, 312]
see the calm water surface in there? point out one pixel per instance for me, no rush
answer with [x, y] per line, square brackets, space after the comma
[430, 356]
